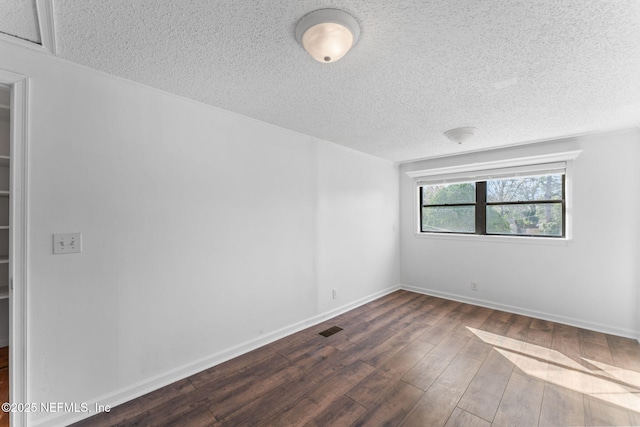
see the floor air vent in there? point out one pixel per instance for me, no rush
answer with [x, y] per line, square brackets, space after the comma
[332, 330]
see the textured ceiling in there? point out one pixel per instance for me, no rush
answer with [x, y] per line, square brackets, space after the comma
[517, 70]
[18, 18]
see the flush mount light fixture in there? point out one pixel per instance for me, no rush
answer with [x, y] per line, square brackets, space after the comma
[327, 34]
[460, 135]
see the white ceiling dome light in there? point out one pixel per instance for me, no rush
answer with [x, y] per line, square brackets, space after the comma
[327, 34]
[460, 135]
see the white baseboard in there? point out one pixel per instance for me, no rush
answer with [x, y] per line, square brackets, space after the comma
[599, 327]
[158, 381]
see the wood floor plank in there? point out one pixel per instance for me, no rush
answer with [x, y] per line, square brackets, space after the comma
[634, 416]
[521, 402]
[174, 409]
[476, 348]
[389, 306]
[410, 359]
[407, 320]
[501, 316]
[518, 327]
[393, 408]
[594, 346]
[364, 332]
[427, 305]
[350, 334]
[561, 407]
[439, 401]
[298, 349]
[596, 351]
[427, 370]
[474, 319]
[230, 366]
[4, 357]
[4, 394]
[229, 391]
[201, 417]
[597, 413]
[389, 348]
[593, 337]
[119, 415]
[349, 320]
[391, 317]
[242, 379]
[165, 394]
[566, 340]
[367, 325]
[225, 406]
[322, 397]
[440, 310]
[494, 325]
[273, 402]
[374, 388]
[420, 308]
[288, 341]
[344, 412]
[331, 367]
[485, 391]
[625, 352]
[166, 414]
[461, 418]
[443, 327]
[541, 333]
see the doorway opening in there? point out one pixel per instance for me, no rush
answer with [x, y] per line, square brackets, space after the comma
[13, 178]
[5, 231]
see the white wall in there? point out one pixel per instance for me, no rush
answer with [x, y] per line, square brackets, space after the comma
[591, 281]
[356, 241]
[204, 233]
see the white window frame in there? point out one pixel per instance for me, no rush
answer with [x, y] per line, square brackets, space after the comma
[479, 171]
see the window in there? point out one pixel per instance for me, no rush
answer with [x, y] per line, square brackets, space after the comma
[448, 208]
[522, 206]
[528, 196]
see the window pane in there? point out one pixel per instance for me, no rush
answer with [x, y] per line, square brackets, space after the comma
[530, 189]
[449, 194]
[449, 219]
[539, 219]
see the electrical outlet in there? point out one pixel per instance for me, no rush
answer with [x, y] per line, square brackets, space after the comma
[67, 243]
[474, 286]
[334, 293]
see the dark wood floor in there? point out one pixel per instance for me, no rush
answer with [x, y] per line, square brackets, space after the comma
[412, 360]
[4, 384]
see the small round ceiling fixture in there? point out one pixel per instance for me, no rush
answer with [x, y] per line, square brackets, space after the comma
[460, 135]
[327, 34]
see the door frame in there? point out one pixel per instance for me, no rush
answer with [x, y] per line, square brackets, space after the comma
[18, 255]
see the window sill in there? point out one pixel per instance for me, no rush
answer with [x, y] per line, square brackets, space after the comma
[524, 240]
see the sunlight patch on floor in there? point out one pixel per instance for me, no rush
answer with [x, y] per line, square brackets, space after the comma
[608, 383]
[623, 375]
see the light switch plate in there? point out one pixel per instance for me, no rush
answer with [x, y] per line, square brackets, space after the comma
[67, 243]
